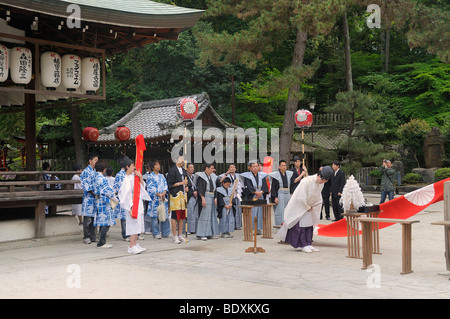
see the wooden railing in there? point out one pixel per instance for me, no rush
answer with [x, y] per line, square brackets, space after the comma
[32, 193]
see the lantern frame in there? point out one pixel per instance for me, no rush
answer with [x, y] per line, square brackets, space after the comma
[19, 79]
[90, 134]
[38, 43]
[187, 109]
[44, 82]
[119, 133]
[303, 118]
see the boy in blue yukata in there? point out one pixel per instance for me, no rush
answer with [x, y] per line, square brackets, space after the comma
[226, 208]
[104, 197]
[88, 209]
[118, 180]
[157, 188]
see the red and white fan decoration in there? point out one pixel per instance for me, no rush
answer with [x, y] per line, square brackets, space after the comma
[187, 109]
[401, 207]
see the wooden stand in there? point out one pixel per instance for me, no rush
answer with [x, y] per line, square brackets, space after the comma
[247, 221]
[446, 224]
[255, 249]
[353, 231]
[267, 221]
[406, 241]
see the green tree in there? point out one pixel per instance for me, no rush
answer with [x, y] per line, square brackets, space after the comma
[361, 125]
[265, 26]
[412, 135]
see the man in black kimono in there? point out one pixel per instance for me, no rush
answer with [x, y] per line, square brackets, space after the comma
[255, 187]
[177, 184]
[207, 225]
[192, 212]
[337, 186]
[326, 191]
[298, 173]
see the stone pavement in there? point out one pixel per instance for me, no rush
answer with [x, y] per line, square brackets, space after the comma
[65, 267]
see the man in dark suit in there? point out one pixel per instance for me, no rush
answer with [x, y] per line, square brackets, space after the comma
[326, 191]
[337, 186]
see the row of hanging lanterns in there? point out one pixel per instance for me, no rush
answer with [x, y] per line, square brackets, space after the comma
[69, 71]
[121, 134]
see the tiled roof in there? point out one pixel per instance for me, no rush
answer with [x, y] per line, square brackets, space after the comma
[157, 118]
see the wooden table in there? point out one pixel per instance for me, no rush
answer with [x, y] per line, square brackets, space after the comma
[353, 231]
[366, 223]
[247, 220]
[255, 249]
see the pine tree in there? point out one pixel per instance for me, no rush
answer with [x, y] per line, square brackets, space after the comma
[266, 25]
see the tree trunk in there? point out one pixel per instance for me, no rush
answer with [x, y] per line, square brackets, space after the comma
[348, 58]
[287, 131]
[76, 130]
[387, 49]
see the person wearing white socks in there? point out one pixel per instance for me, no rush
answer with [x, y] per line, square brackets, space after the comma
[303, 209]
[134, 226]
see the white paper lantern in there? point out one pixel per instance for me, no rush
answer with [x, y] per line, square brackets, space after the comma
[51, 70]
[21, 65]
[71, 72]
[90, 72]
[4, 63]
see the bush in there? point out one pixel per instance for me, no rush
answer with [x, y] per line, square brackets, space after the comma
[376, 174]
[412, 178]
[441, 174]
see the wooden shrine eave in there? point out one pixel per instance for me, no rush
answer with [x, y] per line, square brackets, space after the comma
[115, 26]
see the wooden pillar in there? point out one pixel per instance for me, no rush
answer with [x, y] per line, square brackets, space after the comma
[39, 219]
[30, 131]
[76, 130]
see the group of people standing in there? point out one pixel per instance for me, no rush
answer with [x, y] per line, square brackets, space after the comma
[184, 202]
[100, 206]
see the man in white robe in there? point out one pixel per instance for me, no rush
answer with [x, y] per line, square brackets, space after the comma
[303, 210]
[134, 227]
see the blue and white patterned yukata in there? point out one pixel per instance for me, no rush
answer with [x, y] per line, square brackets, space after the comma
[156, 184]
[104, 192]
[87, 178]
[119, 212]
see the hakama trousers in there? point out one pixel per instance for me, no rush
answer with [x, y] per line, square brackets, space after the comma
[299, 236]
[207, 224]
[283, 199]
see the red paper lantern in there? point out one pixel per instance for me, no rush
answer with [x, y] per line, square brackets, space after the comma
[303, 118]
[90, 134]
[122, 133]
[187, 109]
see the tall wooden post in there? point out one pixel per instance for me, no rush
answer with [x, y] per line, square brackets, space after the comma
[76, 130]
[30, 131]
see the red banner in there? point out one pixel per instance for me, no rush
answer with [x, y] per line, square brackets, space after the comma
[267, 167]
[140, 148]
[401, 207]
